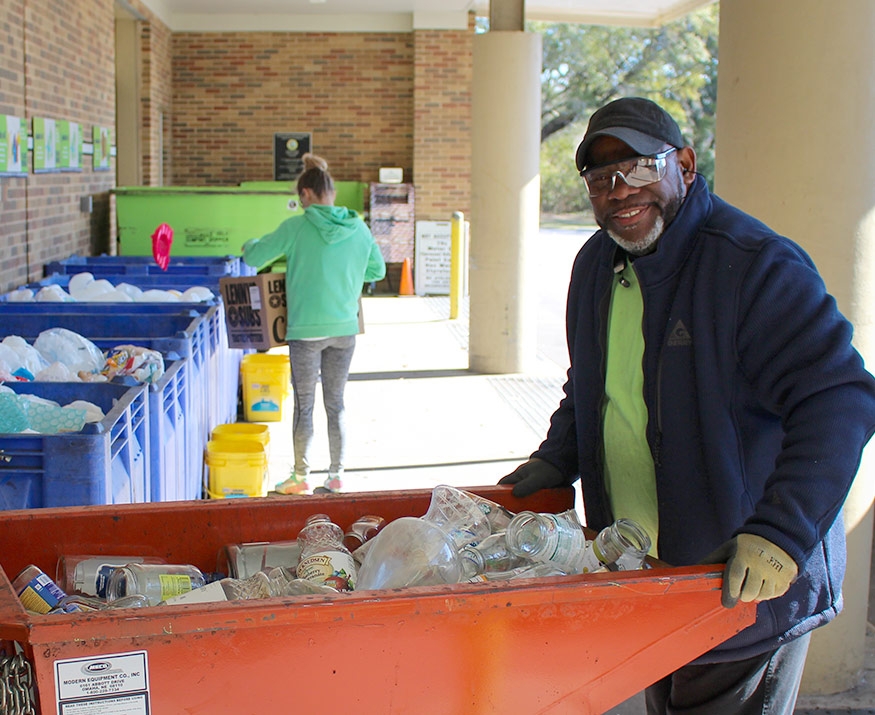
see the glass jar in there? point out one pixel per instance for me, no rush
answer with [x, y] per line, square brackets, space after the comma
[622, 546]
[557, 538]
[157, 582]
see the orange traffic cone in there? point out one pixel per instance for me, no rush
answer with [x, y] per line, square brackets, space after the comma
[406, 287]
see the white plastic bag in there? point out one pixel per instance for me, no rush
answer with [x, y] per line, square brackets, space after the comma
[76, 352]
[28, 356]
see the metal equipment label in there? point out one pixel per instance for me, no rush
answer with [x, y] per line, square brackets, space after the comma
[115, 684]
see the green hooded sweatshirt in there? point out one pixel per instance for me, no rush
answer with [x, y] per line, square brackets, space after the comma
[330, 254]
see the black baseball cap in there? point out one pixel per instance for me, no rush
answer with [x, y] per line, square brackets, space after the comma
[638, 122]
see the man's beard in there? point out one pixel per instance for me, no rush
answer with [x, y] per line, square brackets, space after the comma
[645, 246]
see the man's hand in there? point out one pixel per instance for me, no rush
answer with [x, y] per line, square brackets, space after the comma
[756, 569]
[532, 476]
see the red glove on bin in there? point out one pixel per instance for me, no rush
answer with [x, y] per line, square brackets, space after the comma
[162, 240]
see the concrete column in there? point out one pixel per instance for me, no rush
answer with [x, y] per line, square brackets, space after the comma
[506, 130]
[795, 141]
[507, 15]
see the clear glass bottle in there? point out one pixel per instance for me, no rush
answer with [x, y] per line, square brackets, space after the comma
[89, 575]
[458, 514]
[537, 570]
[557, 538]
[324, 558]
[490, 555]
[622, 546]
[244, 560]
[409, 551]
[497, 515]
[157, 582]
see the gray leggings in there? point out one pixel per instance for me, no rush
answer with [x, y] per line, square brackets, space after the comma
[331, 357]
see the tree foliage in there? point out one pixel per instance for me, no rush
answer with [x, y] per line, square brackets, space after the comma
[586, 66]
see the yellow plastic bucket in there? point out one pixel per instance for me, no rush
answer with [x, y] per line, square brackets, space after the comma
[243, 430]
[235, 468]
[266, 382]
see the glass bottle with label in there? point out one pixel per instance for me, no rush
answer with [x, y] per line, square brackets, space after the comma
[622, 546]
[362, 529]
[157, 582]
[324, 558]
[558, 538]
[89, 575]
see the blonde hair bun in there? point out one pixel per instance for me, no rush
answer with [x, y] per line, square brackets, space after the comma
[311, 161]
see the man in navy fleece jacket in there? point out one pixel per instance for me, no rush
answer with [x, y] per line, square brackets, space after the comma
[714, 397]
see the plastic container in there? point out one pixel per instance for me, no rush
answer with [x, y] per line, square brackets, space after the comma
[104, 265]
[247, 431]
[589, 642]
[174, 453]
[266, 384]
[235, 468]
[181, 334]
[107, 462]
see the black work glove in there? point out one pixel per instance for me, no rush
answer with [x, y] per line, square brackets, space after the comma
[532, 476]
[756, 569]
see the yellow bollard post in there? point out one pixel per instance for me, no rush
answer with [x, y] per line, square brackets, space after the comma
[457, 233]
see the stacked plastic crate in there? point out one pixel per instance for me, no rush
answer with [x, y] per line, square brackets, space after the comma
[198, 389]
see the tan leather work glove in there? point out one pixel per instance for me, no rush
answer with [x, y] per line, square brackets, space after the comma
[756, 569]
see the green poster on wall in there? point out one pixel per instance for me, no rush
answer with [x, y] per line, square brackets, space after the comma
[69, 146]
[102, 138]
[13, 146]
[45, 145]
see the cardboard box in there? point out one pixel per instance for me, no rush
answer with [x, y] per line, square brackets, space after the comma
[255, 310]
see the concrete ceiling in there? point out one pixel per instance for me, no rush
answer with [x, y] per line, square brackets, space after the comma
[396, 15]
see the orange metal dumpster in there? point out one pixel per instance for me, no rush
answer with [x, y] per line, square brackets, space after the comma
[578, 644]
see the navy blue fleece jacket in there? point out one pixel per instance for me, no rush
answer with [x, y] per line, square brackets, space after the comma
[758, 405]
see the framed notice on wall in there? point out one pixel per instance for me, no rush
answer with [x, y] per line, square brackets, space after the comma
[102, 138]
[45, 145]
[69, 146]
[13, 146]
[288, 148]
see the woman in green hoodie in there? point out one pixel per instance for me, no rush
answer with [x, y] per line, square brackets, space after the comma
[330, 254]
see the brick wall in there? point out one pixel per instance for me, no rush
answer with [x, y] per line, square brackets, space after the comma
[442, 122]
[13, 203]
[56, 62]
[369, 100]
[232, 92]
[156, 103]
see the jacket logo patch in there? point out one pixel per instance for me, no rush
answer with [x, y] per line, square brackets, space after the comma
[680, 336]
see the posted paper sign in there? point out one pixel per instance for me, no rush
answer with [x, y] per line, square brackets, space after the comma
[432, 262]
[115, 684]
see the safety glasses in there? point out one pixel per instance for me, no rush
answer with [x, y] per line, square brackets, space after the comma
[637, 172]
